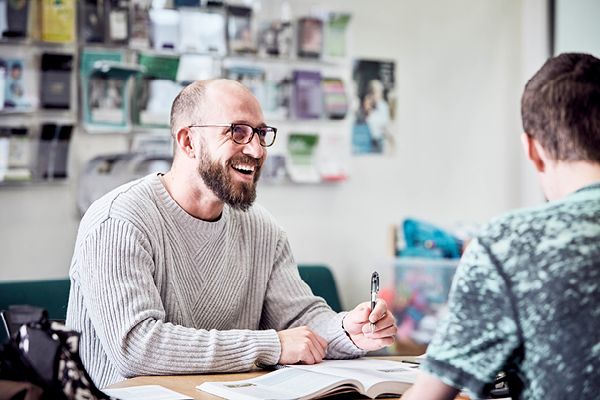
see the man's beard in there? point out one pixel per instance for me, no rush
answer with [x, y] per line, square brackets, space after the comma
[239, 195]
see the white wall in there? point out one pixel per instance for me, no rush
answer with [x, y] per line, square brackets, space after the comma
[535, 50]
[577, 26]
[458, 158]
[459, 80]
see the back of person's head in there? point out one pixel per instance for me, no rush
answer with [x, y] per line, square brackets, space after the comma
[560, 107]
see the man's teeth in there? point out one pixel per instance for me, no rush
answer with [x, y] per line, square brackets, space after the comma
[244, 168]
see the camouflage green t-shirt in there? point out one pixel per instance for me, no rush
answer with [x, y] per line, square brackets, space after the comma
[526, 298]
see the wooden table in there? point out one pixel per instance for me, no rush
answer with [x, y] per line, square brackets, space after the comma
[186, 384]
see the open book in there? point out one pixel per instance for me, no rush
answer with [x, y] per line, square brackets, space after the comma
[370, 377]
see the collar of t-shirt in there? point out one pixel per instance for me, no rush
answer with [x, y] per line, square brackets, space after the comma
[592, 186]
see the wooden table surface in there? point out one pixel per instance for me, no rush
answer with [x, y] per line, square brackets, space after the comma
[186, 384]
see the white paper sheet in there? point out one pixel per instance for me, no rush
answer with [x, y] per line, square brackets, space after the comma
[146, 392]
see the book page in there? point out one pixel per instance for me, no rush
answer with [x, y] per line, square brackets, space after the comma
[359, 364]
[283, 384]
[375, 376]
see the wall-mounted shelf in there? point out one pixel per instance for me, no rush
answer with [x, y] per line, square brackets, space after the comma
[113, 105]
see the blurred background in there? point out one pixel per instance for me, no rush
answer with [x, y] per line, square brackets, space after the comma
[450, 72]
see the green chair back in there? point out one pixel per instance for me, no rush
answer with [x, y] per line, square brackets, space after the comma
[322, 283]
[53, 295]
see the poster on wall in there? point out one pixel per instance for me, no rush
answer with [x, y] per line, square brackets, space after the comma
[376, 99]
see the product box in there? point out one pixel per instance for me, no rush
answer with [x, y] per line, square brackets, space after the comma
[421, 287]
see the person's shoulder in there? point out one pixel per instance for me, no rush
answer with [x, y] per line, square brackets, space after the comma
[515, 217]
[517, 235]
[511, 231]
[123, 200]
[561, 211]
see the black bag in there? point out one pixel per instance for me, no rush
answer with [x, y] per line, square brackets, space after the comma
[41, 360]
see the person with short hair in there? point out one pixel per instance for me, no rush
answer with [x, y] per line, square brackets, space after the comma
[525, 299]
[182, 273]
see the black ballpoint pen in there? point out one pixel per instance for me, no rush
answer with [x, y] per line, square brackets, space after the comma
[374, 291]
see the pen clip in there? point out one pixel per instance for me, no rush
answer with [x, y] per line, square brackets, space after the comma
[375, 282]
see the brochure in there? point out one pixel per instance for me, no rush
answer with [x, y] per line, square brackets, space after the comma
[307, 100]
[56, 81]
[91, 23]
[118, 21]
[240, 32]
[15, 95]
[335, 34]
[375, 84]
[140, 24]
[58, 21]
[310, 37]
[302, 164]
[104, 104]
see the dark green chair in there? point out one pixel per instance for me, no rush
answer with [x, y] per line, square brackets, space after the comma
[321, 281]
[53, 295]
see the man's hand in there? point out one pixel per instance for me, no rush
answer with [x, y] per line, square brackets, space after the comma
[301, 345]
[357, 324]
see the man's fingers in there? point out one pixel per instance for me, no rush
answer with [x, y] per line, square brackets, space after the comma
[301, 345]
[358, 316]
[308, 357]
[380, 311]
[317, 347]
[360, 313]
[315, 354]
[385, 322]
[379, 326]
[385, 325]
[376, 330]
[385, 332]
[322, 342]
[383, 342]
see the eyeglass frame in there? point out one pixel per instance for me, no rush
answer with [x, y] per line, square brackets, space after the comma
[232, 125]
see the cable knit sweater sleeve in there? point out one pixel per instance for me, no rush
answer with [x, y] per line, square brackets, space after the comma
[290, 303]
[126, 311]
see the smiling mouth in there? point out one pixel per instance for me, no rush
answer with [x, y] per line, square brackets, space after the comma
[244, 169]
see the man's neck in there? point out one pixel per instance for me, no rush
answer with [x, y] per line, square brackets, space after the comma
[197, 201]
[570, 176]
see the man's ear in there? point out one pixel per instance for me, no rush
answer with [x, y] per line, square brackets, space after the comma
[534, 152]
[185, 142]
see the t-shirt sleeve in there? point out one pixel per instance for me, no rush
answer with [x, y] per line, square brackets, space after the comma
[480, 331]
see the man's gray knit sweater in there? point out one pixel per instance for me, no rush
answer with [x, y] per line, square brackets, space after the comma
[155, 291]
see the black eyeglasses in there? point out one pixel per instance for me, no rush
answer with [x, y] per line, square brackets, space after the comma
[243, 133]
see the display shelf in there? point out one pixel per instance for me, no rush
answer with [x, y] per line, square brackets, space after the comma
[20, 184]
[87, 118]
[36, 44]
[17, 111]
[45, 110]
[291, 61]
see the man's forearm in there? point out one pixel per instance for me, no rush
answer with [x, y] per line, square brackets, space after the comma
[155, 348]
[429, 387]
